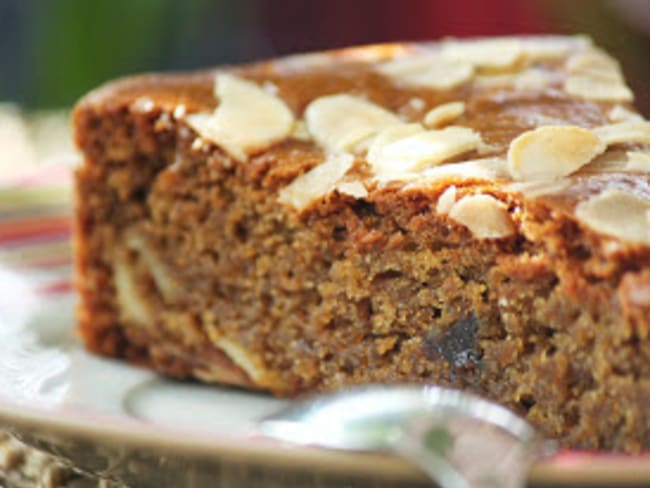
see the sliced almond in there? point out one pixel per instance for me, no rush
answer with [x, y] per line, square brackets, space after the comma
[596, 64]
[444, 114]
[341, 122]
[552, 152]
[300, 132]
[484, 53]
[620, 113]
[486, 169]
[535, 189]
[132, 305]
[596, 88]
[638, 161]
[551, 47]
[248, 119]
[354, 189]
[422, 150]
[485, 216]
[446, 200]
[617, 213]
[625, 132]
[388, 136]
[317, 182]
[430, 71]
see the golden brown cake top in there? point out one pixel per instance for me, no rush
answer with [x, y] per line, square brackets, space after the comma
[546, 117]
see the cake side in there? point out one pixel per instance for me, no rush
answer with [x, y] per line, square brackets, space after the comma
[304, 255]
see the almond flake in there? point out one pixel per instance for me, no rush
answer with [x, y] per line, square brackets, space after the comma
[341, 122]
[486, 169]
[535, 189]
[638, 161]
[484, 53]
[596, 64]
[625, 132]
[317, 182]
[248, 119]
[446, 200]
[444, 114]
[617, 213]
[355, 189]
[388, 136]
[550, 47]
[620, 113]
[552, 151]
[300, 132]
[429, 71]
[422, 150]
[592, 87]
[485, 216]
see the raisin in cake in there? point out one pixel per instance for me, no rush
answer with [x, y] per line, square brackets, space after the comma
[473, 214]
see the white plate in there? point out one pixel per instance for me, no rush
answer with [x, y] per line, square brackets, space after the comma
[133, 425]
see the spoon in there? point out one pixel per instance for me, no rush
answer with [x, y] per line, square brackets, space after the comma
[458, 439]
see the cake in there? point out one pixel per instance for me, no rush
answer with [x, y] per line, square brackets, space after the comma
[473, 214]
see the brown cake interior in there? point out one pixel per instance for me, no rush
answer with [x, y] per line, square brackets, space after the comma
[187, 263]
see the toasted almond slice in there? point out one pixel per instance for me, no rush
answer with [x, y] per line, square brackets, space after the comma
[444, 114]
[625, 132]
[638, 161]
[550, 47]
[341, 122]
[595, 63]
[535, 189]
[446, 200]
[484, 53]
[485, 216]
[355, 189]
[487, 169]
[317, 182]
[248, 119]
[620, 113]
[552, 152]
[430, 71]
[422, 150]
[617, 213]
[300, 132]
[389, 135]
[596, 88]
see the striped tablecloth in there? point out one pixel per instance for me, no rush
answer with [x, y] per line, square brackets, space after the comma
[35, 225]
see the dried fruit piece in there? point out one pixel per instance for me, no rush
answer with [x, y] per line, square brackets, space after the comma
[317, 182]
[431, 71]
[552, 151]
[617, 213]
[422, 150]
[248, 119]
[444, 114]
[341, 122]
[485, 216]
[446, 200]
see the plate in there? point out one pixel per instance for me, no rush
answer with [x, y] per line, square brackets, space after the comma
[134, 426]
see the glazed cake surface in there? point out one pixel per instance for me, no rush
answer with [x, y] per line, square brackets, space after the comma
[474, 214]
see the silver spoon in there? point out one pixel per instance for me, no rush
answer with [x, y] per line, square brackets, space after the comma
[459, 440]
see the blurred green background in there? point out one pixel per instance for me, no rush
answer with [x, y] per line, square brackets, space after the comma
[53, 51]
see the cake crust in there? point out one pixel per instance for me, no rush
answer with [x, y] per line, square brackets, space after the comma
[328, 257]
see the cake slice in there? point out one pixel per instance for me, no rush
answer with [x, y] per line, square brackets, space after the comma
[473, 214]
